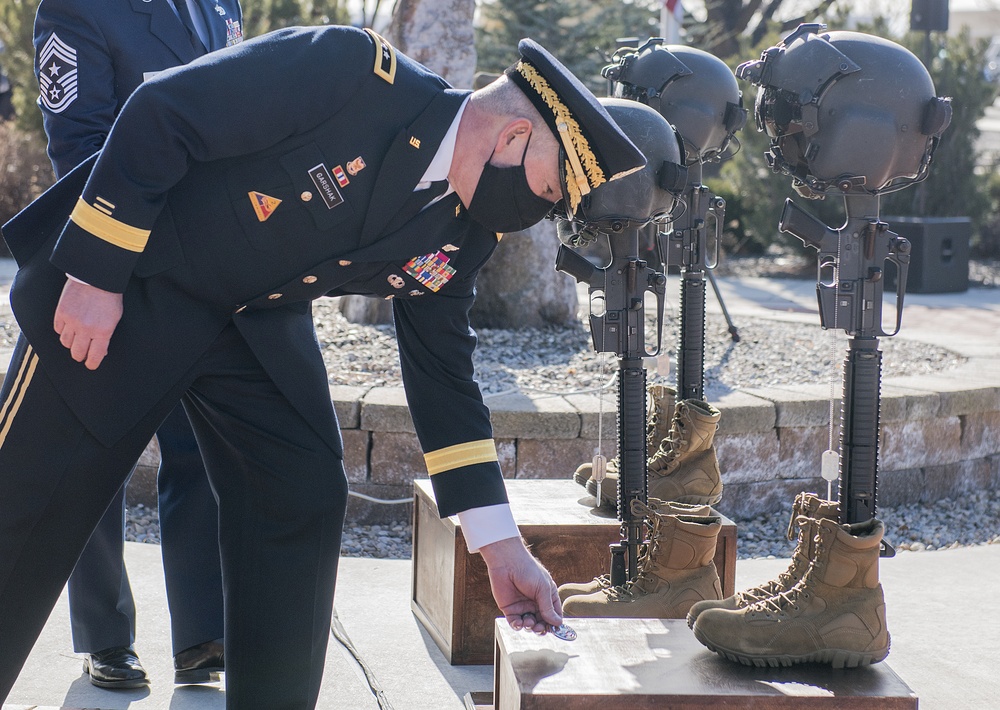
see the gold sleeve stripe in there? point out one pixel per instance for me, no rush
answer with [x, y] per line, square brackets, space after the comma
[108, 228]
[467, 454]
[10, 407]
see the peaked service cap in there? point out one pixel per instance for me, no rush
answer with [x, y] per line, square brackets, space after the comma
[596, 150]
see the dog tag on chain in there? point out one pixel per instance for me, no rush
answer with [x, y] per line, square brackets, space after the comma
[830, 469]
[830, 465]
[599, 471]
[563, 632]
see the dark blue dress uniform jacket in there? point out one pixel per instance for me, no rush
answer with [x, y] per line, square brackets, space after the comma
[101, 53]
[212, 202]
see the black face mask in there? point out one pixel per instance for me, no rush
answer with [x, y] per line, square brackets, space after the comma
[503, 200]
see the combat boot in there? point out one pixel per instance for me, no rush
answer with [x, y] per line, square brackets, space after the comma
[604, 581]
[835, 614]
[674, 571]
[684, 467]
[807, 509]
[660, 400]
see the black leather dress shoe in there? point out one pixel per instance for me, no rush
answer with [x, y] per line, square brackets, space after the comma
[199, 664]
[115, 668]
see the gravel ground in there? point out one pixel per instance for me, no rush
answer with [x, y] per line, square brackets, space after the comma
[916, 528]
[561, 360]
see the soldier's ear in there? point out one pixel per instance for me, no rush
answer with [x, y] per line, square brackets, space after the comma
[511, 141]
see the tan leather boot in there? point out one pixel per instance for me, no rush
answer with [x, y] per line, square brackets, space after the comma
[685, 467]
[660, 402]
[675, 571]
[835, 614]
[806, 510]
[604, 581]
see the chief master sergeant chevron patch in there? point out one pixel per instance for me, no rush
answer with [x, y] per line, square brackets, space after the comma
[57, 74]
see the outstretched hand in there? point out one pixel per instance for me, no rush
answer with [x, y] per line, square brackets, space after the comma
[85, 319]
[522, 588]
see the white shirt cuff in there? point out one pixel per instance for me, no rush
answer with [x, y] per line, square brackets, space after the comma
[71, 277]
[491, 523]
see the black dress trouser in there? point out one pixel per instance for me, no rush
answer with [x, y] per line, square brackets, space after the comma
[282, 500]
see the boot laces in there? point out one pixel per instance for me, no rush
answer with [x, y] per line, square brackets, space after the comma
[633, 588]
[785, 580]
[671, 446]
[779, 604]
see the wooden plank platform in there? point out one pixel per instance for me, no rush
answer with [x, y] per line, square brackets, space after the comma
[657, 664]
[451, 590]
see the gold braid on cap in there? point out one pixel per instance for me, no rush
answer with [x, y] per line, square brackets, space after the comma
[582, 163]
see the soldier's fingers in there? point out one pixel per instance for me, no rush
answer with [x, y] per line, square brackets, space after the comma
[66, 338]
[96, 353]
[79, 346]
[515, 621]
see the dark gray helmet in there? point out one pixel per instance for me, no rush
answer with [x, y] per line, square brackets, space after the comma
[642, 197]
[846, 111]
[694, 90]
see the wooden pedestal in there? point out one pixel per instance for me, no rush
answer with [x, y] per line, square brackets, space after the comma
[658, 664]
[451, 589]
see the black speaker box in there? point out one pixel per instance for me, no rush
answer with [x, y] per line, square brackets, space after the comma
[929, 16]
[939, 258]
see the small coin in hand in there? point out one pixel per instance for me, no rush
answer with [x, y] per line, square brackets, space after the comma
[563, 632]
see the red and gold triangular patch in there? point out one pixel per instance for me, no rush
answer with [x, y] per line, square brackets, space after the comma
[263, 205]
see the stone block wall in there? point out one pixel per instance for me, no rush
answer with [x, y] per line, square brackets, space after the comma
[940, 437]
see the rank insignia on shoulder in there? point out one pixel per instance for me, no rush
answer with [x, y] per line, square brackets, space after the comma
[263, 205]
[338, 172]
[356, 166]
[385, 57]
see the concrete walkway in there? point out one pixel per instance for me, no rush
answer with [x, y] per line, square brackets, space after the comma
[941, 605]
[941, 612]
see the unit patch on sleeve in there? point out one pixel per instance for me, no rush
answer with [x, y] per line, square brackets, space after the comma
[324, 183]
[57, 74]
[263, 205]
[432, 270]
[385, 57]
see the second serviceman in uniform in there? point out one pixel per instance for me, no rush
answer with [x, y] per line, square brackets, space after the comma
[89, 58]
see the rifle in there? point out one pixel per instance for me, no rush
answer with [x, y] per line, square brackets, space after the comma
[689, 247]
[850, 291]
[617, 325]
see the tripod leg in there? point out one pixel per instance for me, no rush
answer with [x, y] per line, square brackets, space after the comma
[722, 304]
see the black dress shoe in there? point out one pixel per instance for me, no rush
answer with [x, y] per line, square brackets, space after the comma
[115, 668]
[199, 664]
